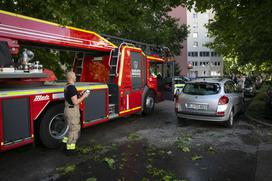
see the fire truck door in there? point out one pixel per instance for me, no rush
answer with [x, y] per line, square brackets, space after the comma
[137, 80]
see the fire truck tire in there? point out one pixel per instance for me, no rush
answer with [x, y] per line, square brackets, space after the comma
[149, 103]
[53, 127]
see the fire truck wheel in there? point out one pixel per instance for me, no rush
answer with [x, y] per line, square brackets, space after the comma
[53, 127]
[149, 102]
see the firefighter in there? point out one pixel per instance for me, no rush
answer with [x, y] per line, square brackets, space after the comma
[71, 112]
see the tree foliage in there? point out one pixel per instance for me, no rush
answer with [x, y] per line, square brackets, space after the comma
[145, 21]
[242, 29]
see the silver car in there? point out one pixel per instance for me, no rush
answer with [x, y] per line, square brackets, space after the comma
[210, 99]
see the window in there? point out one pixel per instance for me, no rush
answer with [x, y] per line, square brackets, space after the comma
[195, 25]
[194, 15]
[206, 34]
[218, 63]
[136, 70]
[193, 54]
[204, 54]
[195, 44]
[201, 88]
[195, 63]
[213, 54]
[195, 34]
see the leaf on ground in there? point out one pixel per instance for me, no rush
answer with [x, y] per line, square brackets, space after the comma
[185, 149]
[97, 148]
[124, 160]
[67, 169]
[91, 179]
[211, 149]
[84, 149]
[167, 178]
[144, 179]
[133, 136]
[114, 146]
[196, 157]
[183, 142]
[110, 162]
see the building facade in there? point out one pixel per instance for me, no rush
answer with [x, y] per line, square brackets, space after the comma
[204, 61]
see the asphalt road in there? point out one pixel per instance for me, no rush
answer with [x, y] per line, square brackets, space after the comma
[154, 147]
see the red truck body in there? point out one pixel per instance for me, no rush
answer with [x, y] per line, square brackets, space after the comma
[119, 79]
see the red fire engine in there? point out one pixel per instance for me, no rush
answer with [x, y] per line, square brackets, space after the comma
[32, 102]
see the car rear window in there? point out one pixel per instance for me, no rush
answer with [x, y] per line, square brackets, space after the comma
[201, 88]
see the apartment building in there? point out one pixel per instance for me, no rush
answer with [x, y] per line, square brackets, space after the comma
[204, 61]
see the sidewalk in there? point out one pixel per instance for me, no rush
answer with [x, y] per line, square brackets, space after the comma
[258, 111]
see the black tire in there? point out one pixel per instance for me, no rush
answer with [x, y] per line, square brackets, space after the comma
[230, 122]
[149, 103]
[53, 126]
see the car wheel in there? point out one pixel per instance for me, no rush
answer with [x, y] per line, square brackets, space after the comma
[149, 103]
[229, 123]
[53, 127]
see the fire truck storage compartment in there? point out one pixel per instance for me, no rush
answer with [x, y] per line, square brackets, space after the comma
[15, 119]
[95, 105]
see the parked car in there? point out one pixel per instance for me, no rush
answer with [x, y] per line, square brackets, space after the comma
[213, 99]
[250, 87]
[179, 83]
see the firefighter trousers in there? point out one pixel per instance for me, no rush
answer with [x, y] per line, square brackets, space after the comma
[72, 116]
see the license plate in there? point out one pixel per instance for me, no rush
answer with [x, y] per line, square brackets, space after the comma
[197, 106]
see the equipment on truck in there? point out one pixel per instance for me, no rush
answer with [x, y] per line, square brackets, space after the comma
[118, 77]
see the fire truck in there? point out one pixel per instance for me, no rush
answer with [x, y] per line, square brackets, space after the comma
[120, 78]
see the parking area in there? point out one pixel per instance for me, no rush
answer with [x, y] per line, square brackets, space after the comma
[154, 147]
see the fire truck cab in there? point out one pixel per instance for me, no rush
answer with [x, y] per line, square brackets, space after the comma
[120, 79]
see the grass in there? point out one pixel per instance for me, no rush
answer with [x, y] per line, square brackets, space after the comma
[258, 108]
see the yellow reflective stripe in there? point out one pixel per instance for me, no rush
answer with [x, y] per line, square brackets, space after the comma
[180, 85]
[42, 91]
[55, 24]
[71, 146]
[65, 139]
[133, 109]
[122, 65]
[155, 58]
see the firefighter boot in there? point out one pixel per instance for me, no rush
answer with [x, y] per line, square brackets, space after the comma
[71, 149]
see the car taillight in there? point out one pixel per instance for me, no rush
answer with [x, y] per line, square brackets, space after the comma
[222, 105]
[223, 100]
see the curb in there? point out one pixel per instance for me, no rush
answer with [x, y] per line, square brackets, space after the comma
[257, 121]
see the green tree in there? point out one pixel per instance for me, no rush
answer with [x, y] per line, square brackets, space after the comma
[145, 21]
[242, 29]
